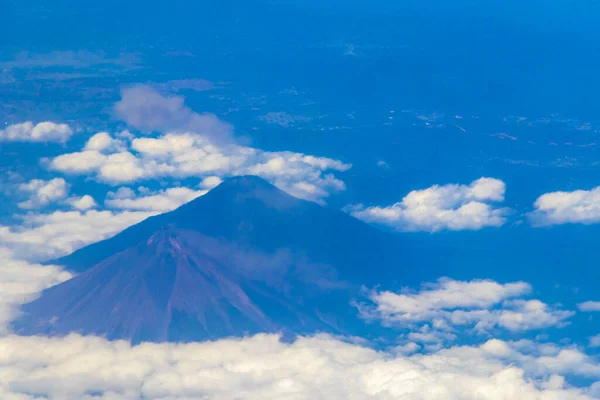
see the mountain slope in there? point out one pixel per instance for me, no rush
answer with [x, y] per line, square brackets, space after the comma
[253, 213]
[244, 258]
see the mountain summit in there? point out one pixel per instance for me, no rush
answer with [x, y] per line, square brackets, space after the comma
[244, 258]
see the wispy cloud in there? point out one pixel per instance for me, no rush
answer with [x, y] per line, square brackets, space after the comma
[142, 107]
[589, 306]
[283, 119]
[198, 85]
[69, 58]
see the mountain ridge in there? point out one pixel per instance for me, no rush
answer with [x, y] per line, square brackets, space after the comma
[242, 259]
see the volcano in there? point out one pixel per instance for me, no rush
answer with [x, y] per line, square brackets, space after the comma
[244, 258]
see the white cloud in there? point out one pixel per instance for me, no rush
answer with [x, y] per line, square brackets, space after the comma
[113, 168]
[122, 193]
[103, 141]
[21, 282]
[59, 233]
[121, 167]
[449, 294]
[588, 306]
[550, 359]
[144, 108]
[82, 203]
[163, 201]
[555, 208]
[79, 163]
[431, 337]
[99, 141]
[210, 182]
[194, 145]
[595, 341]
[192, 155]
[41, 132]
[453, 207]
[516, 315]
[262, 367]
[536, 359]
[42, 192]
[480, 304]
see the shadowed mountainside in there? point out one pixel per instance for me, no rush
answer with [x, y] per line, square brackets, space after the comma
[244, 258]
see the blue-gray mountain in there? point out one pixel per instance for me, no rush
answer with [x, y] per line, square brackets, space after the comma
[244, 258]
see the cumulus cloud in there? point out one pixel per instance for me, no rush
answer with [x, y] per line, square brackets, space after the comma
[210, 182]
[183, 155]
[547, 358]
[430, 338]
[144, 108]
[555, 208]
[78, 163]
[453, 207]
[82, 203]
[103, 141]
[448, 293]
[479, 304]
[589, 306]
[163, 201]
[58, 233]
[20, 282]
[42, 192]
[41, 132]
[262, 367]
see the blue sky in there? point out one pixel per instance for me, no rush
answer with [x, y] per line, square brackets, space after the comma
[469, 126]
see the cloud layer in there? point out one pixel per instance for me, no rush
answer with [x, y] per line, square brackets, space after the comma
[453, 207]
[262, 367]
